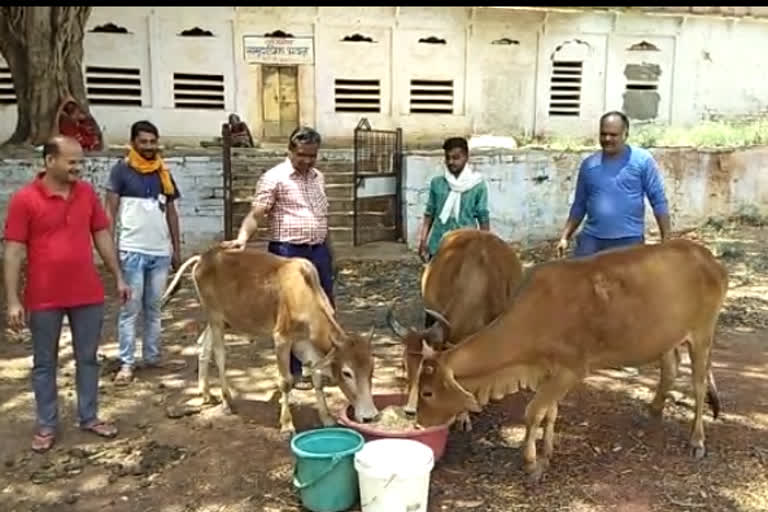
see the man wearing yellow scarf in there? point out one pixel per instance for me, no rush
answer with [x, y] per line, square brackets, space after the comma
[141, 198]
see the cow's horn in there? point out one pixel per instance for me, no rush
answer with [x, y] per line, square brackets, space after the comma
[437, 316]
[396, 327]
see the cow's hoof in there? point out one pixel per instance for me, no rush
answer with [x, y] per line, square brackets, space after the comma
[328, 422]
[534, 475]
[654, 412]
[646, 419]
[536, 470]
[698, 451]
[226, 408]
[287, 432]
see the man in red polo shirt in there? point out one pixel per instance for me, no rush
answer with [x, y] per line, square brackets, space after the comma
[53, 220]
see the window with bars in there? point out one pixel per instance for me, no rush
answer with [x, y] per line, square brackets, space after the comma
[431, 96]
[7, 91]
[565, 89]
[643, 85]
[197, 91]
[353, 95]
[641, 91]
[118, 87]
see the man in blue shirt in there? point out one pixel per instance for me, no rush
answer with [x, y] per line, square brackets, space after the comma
[611, 190]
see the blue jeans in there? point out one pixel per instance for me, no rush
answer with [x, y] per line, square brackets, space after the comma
[586, 245]
[320, 257]
[85, 322]
[146, 276]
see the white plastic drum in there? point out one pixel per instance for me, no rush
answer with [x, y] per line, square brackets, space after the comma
[394, 475]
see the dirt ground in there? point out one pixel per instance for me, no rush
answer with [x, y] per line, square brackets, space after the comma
[608, 457]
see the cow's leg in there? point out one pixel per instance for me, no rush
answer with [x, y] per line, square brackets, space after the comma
[699, 352]
[669, 365]
[550, 392]
[204, 343]
[220, 355]
[549, 431]
[283, 356]
[322, 405]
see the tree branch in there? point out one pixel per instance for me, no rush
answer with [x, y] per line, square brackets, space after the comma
[43, 46]
[13, 20]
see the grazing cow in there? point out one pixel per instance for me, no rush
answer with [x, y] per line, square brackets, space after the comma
[622, 307]
[257, 293]
[468, 283]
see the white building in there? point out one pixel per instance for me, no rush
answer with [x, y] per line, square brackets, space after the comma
[433, 71]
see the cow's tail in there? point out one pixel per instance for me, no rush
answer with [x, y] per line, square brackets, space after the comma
[312, 279]
[713, 399]
[172, 288]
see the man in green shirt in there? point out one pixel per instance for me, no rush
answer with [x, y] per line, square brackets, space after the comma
[457, 199]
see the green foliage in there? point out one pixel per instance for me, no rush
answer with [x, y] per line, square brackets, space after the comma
[706, 134]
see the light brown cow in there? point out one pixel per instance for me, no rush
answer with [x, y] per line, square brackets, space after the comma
[622, 307]
[468, 283]
[257, 293]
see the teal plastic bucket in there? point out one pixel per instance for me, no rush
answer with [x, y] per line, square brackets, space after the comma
[324, 473]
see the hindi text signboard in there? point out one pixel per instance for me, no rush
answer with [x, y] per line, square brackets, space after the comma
[279, 50]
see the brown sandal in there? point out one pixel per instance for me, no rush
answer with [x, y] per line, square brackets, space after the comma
[101, 428]
[43, 441]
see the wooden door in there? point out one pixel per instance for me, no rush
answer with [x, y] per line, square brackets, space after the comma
[281, 100]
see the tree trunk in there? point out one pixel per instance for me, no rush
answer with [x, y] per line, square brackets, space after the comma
[43, 47]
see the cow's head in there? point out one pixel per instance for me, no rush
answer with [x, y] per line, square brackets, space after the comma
[351, 364]
[413, 340]
[441, 398]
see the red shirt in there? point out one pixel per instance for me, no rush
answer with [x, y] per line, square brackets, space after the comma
[58, 235]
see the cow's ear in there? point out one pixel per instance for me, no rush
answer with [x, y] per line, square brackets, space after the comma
[469, 402]
[338, 339]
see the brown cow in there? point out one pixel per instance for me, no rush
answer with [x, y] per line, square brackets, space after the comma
[468, 283]
[257, 293]
[570, 317]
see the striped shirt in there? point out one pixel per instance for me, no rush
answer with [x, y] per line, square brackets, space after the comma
[296, 204]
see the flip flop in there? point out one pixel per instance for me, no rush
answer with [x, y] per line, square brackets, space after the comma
[43, 441]
[124, 377]
[101, 428]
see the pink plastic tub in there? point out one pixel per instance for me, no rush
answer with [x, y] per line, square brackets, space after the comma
[434, 437]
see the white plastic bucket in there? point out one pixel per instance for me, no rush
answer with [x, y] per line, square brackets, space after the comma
[394, 475]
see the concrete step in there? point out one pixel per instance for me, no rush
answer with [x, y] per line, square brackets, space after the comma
[365, 220]
[340, 204]
[339, 178]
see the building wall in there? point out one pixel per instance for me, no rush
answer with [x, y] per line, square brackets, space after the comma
[530, 191]
[500, 64]
[198, 176]
[154, 48]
